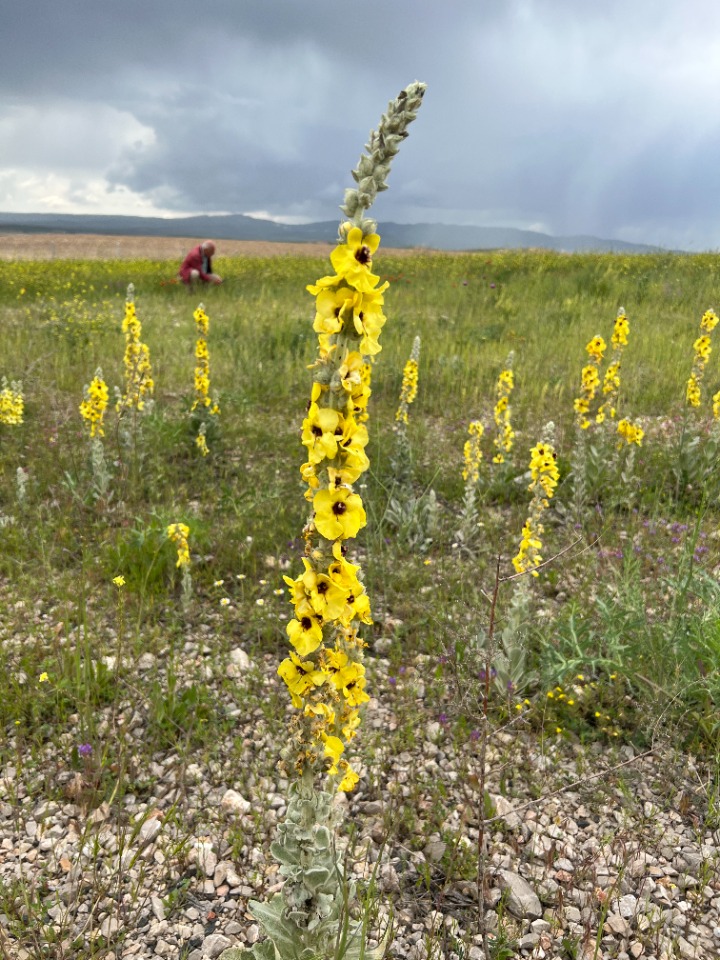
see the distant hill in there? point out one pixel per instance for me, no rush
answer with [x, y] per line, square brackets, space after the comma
[433, 236]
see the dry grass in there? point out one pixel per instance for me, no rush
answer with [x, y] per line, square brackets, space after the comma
[82, 246]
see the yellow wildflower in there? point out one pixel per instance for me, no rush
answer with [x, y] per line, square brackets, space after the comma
[12, 404]
[179, 533]
[472, 452]
[92, 408]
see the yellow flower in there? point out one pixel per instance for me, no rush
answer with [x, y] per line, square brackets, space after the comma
[472, 452]
[119, 581]
[504, 434]
[12, 404]
[334, 747]
[138, 372]
[92, 408]
[339, 513]
[321, 431]
[178, 533]
[300, 676]
[630, 432]
[350, 778]
[43, 678]
[408, 389]
[305, 632]
[352, 260]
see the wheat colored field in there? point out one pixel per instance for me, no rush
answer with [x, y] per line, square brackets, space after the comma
[85, 246]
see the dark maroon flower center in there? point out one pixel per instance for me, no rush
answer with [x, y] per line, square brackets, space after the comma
[363, 255]
[339, 508]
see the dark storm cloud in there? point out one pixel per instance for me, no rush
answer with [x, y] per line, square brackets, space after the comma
[573, 118]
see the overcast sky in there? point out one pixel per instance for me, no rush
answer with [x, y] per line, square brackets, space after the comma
[565, 116]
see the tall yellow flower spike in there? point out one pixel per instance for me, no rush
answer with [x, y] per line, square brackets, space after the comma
[409, 387]
[590, 381]
[139, 381]
[544, 479]
[703, 349]
[504, 433]
[179, 533]
[325, 673]
[94, 404]
[472, 452]
[611, 380]
[12, 403]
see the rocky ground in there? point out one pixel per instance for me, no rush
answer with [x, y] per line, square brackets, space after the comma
[622, 864]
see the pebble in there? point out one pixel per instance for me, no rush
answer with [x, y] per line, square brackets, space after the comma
[233, 802]
[214, 945]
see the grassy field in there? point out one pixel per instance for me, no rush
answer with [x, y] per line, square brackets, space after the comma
[622, 646]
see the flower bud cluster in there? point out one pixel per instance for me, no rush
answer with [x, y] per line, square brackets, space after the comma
[324, 673]
[373, 168]
[94, 404]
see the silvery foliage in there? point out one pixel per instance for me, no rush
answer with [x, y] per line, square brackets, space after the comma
[308, 918]
[21, 479]
[100, 471]
[374, 166]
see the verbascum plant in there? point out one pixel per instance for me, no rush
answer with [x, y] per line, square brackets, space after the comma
[324, 672]
[630, 432]
[544, 479]
[94, 404]
[402, 459]
[409, 387]
[703, 349]
[205, 407]
[92, 410]
[472, 458]
[504, 433]
[589, 381]
[611, 379]
[12, 403]
[588, 459]
[139, 383]
[178, 534]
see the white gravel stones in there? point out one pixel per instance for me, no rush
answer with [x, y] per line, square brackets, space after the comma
[234, 802]
[203, 854]
[522, 901]
[149, 831]
[214, 945]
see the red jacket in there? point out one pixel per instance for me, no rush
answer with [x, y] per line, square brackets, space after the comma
[196, 260]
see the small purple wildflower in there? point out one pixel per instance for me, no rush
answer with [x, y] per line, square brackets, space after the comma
[474, 735]
[392, 681]
[443, 719]
[85, 749]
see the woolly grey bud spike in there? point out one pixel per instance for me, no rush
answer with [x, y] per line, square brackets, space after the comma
[381, 147]
[130, 297]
